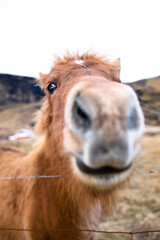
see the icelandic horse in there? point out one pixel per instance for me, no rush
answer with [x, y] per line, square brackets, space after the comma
[92, 125]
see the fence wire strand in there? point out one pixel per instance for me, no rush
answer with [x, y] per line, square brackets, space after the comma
[31, 177]
[151, 171]
[131, 233]
[61, 176]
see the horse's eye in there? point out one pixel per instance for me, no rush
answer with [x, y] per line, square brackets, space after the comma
[52, 87]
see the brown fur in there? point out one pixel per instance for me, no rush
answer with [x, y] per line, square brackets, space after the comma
[60, 203]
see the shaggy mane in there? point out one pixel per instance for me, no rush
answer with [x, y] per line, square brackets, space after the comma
[87, 56]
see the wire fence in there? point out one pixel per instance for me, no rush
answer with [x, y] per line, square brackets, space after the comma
[150, 171]
[31, 177]
[129, 233]
[59, 176]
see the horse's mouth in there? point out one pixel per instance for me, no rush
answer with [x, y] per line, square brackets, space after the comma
[106, 170]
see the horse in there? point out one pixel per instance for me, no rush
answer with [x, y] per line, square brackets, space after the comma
[91, 125]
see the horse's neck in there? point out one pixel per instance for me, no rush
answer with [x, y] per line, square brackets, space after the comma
[65, 203]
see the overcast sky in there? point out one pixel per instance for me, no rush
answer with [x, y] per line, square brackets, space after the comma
[33, 31]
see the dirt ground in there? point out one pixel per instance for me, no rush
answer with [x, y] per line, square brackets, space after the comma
[138, 202]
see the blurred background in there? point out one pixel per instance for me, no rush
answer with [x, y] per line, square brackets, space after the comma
[33, 31]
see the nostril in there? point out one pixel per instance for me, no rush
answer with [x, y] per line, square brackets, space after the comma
[133, 119]
[81, 117]
[99, 149]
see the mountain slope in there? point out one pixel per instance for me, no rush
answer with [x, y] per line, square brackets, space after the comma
[148, 91]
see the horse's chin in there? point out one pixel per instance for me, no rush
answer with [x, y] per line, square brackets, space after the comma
[105, 178]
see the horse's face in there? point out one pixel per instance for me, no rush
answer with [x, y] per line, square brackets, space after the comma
[102, 125]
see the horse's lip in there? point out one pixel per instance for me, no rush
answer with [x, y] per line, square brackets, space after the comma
[100, 171]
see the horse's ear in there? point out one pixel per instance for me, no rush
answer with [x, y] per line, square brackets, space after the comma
[43, 77]
[117, 64]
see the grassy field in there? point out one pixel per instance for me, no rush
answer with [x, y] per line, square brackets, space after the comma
[138, 202]
[16, 116]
